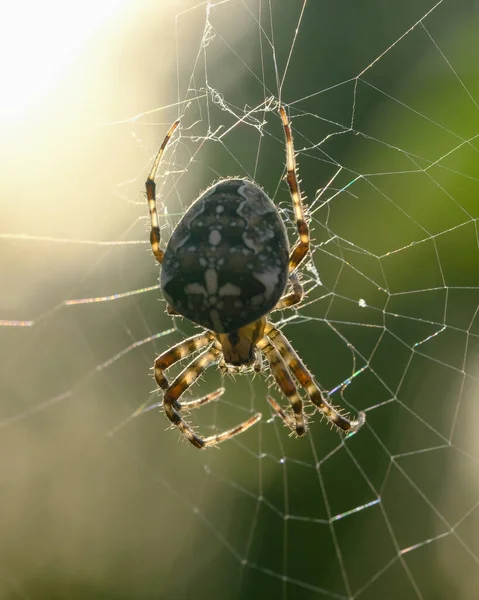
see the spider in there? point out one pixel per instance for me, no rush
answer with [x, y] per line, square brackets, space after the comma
[226, 267]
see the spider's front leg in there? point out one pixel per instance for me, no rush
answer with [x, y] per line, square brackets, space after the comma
[286, 384]
[176, 353]
[309, 384]
[173, 392]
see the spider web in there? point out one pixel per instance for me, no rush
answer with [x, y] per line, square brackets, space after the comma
[98, 499]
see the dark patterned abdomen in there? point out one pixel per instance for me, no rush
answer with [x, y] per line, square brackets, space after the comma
[226, 263]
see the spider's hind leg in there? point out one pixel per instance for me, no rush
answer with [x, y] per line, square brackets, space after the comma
[301, 248]
[151, 196]
[294, 297]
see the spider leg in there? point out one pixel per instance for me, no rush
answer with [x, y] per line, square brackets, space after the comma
[213, 440]
[258, 362]
[286, 384]
[185, 379]
[200, 401]
[196, 403]
[293, 297]
[288, 421]
[151, 196]
[301, 248]
[176, 353]
[307, 381]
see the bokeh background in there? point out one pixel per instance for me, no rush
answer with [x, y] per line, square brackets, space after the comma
[98, 499]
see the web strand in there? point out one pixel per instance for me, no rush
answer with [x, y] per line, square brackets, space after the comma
[386, 137]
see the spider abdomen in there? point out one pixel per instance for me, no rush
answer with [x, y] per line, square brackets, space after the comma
[226, 263]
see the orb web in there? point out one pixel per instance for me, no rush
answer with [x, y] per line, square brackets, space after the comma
[383, 105]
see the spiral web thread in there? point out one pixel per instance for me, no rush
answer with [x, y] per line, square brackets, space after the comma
[388, 324]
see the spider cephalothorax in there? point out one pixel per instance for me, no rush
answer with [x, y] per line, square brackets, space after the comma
[226, 267]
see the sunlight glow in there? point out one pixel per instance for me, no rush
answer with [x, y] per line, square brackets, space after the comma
[38, 41]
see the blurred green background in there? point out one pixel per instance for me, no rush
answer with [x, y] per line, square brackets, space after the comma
[98, 503]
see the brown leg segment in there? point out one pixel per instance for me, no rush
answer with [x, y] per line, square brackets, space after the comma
[288, 421]
[151, 196]
[307, 381]
[293, 297]
[175, 390]
[302, 246]
[176, 353]
[285, 383]
[200, 401]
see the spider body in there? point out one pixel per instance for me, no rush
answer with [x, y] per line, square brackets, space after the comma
[226, 267]
[226, 263]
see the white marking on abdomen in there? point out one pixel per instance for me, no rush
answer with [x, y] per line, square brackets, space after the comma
[211, 280]
[215, 237]
[229, 289]
[269, 279]
[195, 288]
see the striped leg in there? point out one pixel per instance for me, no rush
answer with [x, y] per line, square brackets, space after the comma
[176, 353]
[288, 421]
[185, 379]
[302, 246]
[203, 400]
[213, 440]
[151, 196]
[307, 381]
[286, 384]
[196, 403]
[293, 297]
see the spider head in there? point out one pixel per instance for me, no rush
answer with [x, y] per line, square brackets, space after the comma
[239, 346]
